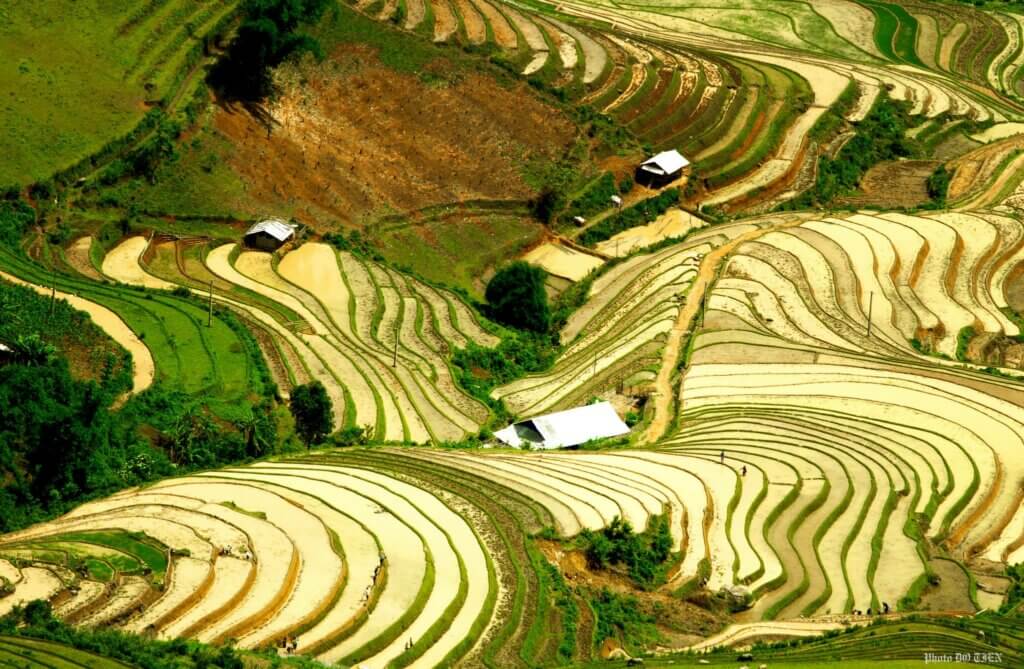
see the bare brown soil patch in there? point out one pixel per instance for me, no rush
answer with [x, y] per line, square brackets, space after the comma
[951, 592]
[900, 183]
[78, 257]
[351, 137]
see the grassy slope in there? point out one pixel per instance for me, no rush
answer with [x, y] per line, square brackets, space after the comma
[61, 104]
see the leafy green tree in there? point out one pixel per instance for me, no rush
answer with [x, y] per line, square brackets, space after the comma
[938, 185]
[267, 36]
[547, 204]
[313, 413]
[517, 297]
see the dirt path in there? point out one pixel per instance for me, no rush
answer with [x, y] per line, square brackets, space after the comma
[706, 274]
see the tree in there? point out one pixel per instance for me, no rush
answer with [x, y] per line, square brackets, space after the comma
[266, 37]
[313, 412]
[517, 297]
[547, 204]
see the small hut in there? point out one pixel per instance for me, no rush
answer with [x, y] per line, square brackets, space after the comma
[269, 235]
[662, 169]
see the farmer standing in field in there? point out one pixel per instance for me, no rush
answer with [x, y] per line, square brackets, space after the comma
[722, 457]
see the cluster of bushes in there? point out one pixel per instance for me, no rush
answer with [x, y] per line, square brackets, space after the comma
[595, 198]
[645, 555]
[355, 242]
[611, 134]
[880, 136]
[631, 217]
[479, 369]
[620, 617]
[963, 340]
[834, 117]
[517, 297]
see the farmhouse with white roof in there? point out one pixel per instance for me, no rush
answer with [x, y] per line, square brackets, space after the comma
[565, 429]
[269, 235]
[661, 169]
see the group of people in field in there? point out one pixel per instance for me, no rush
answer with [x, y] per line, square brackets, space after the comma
[246, 554]
[376, 573]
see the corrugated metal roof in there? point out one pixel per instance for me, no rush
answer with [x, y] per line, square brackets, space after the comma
[274, 227]
[665, 162]
[565, 428]
[4, 348]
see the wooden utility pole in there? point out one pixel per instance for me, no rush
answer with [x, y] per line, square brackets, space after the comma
[394, 359]
[871, 306]
[209, 314]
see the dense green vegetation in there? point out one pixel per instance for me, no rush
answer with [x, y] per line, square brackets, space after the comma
[880, 136]
[15, 218]
[56, 440]
[479, 369]
[61, 443]
[1015, 594]
[516, 297]
[834, 118]
[638, 214]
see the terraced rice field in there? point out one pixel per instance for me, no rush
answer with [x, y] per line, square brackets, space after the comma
[378, 340]
[818, 440]
[167, 335]
[827, 408]
[26, 653]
